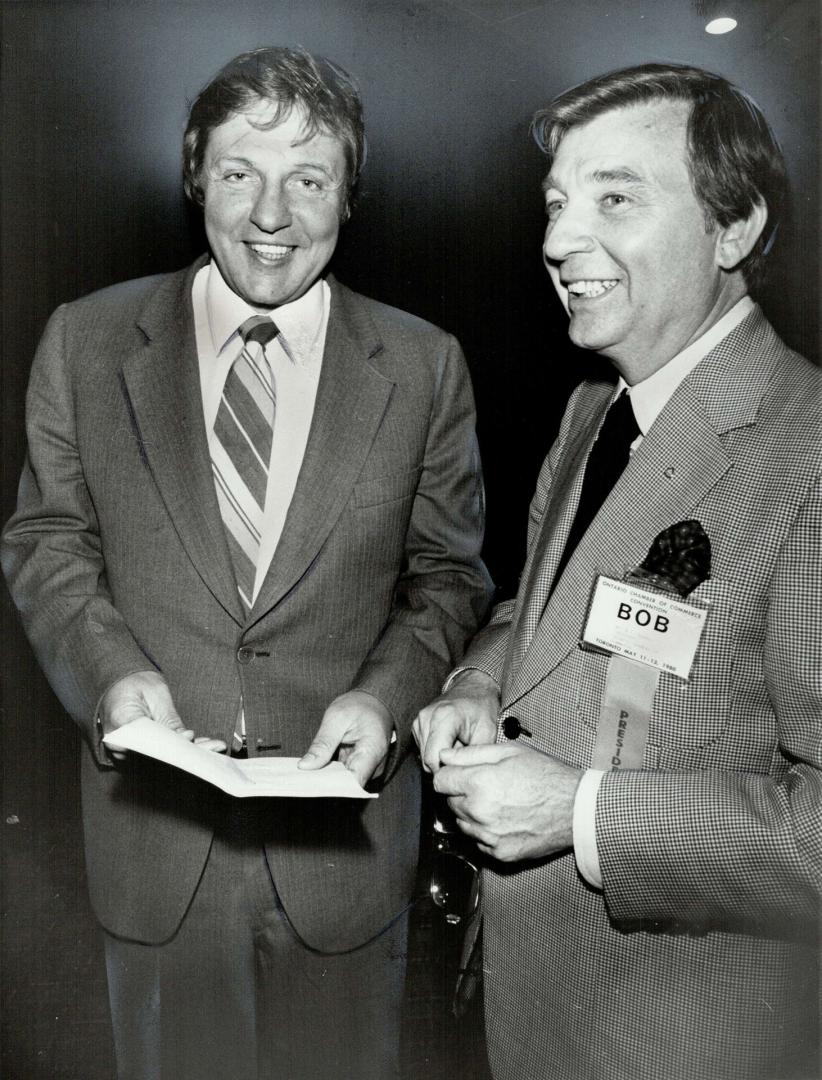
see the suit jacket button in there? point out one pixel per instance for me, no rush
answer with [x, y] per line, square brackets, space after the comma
[512, 728]
[245, 655]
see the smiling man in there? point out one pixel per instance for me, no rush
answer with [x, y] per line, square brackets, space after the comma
[252, 511]
[635, 742]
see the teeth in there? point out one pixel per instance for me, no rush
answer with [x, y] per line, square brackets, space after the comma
[595, 287]
[271, 252]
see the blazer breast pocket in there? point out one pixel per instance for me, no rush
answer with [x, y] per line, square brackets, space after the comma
[386, 489]
[694, 713]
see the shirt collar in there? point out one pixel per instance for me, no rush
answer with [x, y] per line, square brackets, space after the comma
[650, 396]
[300, 322]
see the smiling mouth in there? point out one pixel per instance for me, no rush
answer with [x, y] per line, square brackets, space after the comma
[589, 289]
[271, 253]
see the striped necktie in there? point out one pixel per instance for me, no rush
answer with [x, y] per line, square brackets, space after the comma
[241, 449]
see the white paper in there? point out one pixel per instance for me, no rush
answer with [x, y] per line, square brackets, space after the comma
[269, 776]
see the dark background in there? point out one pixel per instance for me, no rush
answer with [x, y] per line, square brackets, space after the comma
[448, 225]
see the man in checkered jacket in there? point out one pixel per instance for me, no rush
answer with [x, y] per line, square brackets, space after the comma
[655, 917]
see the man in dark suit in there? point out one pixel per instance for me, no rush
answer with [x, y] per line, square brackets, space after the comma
[635, 742]
[251, 511]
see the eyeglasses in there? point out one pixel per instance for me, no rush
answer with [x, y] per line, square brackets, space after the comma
[455, 879]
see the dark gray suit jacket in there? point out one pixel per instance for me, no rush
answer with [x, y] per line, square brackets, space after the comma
[118, 562]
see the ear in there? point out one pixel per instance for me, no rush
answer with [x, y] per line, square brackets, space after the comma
[735, 242]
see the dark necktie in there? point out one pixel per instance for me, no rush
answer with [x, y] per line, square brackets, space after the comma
[242, 448]
[609, 456]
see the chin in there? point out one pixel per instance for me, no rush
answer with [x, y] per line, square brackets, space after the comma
[584, 340]
[586, 335]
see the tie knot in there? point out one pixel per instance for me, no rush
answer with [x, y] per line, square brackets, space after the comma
[620, 422]
[259, 328]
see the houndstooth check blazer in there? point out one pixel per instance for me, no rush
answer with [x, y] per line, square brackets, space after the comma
[698, 960]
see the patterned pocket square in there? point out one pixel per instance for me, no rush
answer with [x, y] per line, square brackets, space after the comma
[679, 559]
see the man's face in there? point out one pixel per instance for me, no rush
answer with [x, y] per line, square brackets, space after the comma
[273, 202]
[626, 244]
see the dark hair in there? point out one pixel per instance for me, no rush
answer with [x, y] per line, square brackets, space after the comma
[734, 159]
[285, 78]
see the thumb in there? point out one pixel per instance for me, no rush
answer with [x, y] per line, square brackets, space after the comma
[321, 750]
[159, 706]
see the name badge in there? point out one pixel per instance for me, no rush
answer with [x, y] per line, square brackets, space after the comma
[645, 626]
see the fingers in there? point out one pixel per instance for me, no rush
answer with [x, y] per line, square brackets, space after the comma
[364, 761]
[324, 746]
[361, 755]
[207, 743]
[484, 838]
[145, 694]
[437, 728]
[357, 727]
[483, 754]
[450, 780]
[465, 715]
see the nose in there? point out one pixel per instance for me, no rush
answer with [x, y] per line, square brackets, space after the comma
[271, 210]
[568, 234]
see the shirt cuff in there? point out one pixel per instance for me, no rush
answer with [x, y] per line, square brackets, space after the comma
[584, 825]
[455, 674]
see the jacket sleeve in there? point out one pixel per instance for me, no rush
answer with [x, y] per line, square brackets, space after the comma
[734, 850]
[443, 591]
[51, 552]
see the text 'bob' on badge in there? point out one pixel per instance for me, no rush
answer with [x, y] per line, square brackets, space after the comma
[643, 625]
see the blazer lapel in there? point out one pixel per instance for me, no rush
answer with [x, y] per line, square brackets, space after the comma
[679, 461]
[351, 400]
[163, 384]
[556, 521]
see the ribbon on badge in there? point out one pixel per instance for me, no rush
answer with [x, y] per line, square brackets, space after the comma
[678, 561]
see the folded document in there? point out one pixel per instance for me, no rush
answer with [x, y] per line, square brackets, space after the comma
[240, 777]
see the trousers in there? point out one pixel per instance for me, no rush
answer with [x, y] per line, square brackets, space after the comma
[236, 995]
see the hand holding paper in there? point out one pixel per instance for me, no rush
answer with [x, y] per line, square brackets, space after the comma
[357, 727]
[146, 694]
[262, 776]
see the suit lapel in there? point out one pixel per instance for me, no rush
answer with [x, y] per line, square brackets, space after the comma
[163, 384]
[559, 513]
[679, 461]
[351, 400]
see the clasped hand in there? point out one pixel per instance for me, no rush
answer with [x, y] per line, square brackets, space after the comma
[514, 802]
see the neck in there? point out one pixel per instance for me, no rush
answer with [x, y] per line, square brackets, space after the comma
[636, 367]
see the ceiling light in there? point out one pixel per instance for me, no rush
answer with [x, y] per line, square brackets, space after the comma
[720, 26]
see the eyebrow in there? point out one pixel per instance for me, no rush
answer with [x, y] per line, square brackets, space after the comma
[314, 165]
[620, 175]
[232, 159]
[616, 176]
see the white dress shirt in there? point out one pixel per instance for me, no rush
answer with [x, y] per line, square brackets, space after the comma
[295, 357]
[648, 399]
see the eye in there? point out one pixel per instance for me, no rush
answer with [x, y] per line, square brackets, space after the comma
[307, 185]
[614, 200]
[554, 208]
[237, 176]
